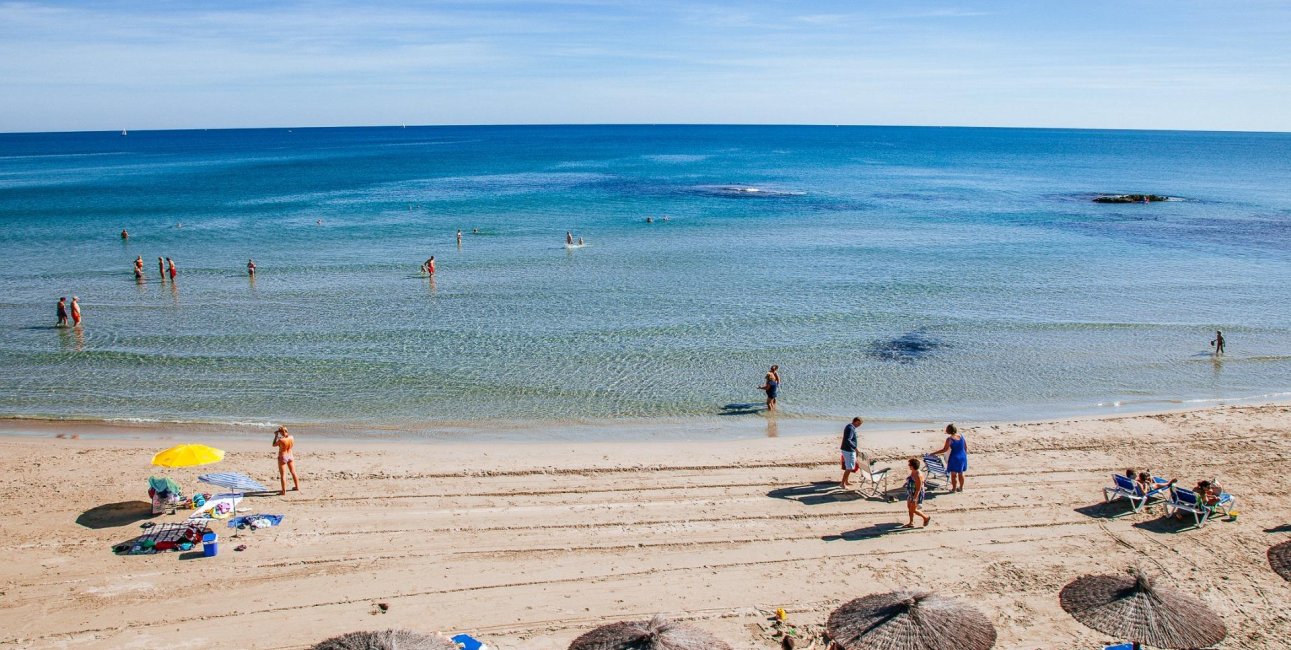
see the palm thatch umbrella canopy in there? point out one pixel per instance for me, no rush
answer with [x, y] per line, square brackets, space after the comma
[1280, 559]
[1133, 607]
[387, 640]
[910, 620]
[657, 633]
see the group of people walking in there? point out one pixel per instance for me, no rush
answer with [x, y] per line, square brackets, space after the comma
[64, 311]
[955, 448]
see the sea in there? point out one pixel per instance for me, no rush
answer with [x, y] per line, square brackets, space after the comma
[907, 275]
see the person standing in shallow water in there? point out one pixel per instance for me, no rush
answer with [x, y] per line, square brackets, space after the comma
[957, 460]
[138, 268]
[76, 312]
[161, 268]
[772, 386]
[170, 269]
[1218, 343]
[459, 238]
[286, 459]
[251, 267]
[62, 311]
[429, 266]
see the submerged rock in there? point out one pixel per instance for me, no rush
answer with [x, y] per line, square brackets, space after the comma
[1130, 198]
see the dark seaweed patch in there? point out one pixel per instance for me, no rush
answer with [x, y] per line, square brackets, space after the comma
[907, 348]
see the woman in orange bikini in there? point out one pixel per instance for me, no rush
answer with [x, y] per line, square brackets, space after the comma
[286, 461]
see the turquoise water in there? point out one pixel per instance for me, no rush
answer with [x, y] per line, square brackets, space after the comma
[902, 273]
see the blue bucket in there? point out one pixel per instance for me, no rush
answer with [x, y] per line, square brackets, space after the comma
[210, 544]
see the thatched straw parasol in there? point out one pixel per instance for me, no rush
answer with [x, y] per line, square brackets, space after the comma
[657, 633]
[1134, 608]
[1280, 559]
[386, 640]
[910, 620]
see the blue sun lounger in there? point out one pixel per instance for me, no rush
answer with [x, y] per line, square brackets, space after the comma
[1182, 500]
[1129, 489]
[933, 466]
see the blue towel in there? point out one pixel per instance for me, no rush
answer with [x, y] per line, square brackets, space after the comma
[274, 520]
[467, 642]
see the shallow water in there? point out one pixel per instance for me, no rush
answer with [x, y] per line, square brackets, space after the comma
[902, 273]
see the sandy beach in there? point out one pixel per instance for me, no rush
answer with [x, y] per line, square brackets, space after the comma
[529, 545]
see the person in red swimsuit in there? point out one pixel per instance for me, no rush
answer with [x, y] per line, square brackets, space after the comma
[171, 270]
[76, 312]
[429, 266]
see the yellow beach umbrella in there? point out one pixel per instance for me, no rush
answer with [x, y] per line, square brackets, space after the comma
[188, 456]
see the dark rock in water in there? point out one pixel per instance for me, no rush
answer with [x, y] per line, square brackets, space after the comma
[1130, 198]
[907, 348]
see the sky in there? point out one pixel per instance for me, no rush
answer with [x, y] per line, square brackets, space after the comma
[160, 64]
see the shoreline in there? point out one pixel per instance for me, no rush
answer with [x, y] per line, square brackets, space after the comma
[742, 426]
[528, 546]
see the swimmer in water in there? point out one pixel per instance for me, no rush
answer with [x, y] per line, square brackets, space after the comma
[569, 237]
[170, 269]
[62, 312]
[649, 219]
[475, 231]
[429, 266]
[251, 267]
[76, 312]
[161, 268]
[124, 234]
[580, 241]
[459, 237]
[138, 268]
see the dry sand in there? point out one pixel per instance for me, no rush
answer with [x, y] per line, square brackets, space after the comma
[529, 545]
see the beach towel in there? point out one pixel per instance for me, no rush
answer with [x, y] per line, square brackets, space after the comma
[228, 501]
[255, 521]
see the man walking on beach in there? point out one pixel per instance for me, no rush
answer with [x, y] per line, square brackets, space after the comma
[849, 451]
[62, 311]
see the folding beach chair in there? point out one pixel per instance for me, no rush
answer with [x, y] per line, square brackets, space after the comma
[1182, 500]
[873, 482]
[1129, 489]
[933, 466]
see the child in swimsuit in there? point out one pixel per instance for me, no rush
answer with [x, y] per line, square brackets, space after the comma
[286, 461]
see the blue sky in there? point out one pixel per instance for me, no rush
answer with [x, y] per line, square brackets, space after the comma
[1155, 64]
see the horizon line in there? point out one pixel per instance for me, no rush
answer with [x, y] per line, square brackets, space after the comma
[646, 124]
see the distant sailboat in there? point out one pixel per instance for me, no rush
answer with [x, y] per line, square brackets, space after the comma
[124, 132]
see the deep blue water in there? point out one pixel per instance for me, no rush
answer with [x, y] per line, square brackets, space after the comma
[900, 273]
